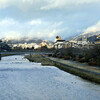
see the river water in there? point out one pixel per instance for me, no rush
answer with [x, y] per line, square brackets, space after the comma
[24, 80]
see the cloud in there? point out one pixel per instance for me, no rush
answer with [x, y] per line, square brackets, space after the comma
[93, 29]
[23, 5]
[18, 3]
[44, 34]
[66, 3]
[35, 22]
[7, 22]
[53, 33]
[12, 35]
[36, 28]
[46, 30]
[43, 4]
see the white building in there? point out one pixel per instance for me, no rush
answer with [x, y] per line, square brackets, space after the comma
[50, 46]
[25, 45]
[59, 44]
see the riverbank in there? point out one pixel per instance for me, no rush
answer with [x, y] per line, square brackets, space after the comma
[87, 72]
[90, 56]
[9, 54]
[39, 59]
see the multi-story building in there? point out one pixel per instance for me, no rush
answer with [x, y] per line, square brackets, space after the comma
[59, 43]
[97, 41]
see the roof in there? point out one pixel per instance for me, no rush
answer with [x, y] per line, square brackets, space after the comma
[60, 40]
[97, 39]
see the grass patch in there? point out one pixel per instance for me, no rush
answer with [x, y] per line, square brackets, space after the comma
[39, 59]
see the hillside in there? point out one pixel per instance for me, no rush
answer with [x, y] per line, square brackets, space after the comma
[91, 37]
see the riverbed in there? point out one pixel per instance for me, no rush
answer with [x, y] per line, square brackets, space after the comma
[24, 80]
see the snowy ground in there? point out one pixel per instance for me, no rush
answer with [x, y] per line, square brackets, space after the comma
[22, 80]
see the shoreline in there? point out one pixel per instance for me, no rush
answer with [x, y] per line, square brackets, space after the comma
[9, 54]
[88, 74]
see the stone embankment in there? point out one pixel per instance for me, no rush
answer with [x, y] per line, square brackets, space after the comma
[87, 72]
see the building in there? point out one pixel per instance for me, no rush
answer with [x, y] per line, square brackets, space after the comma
[58, 38]
[37, 47]
[50, 46]
[4, 46]
[24, 46]
[43, 44]
[59, 43]
[84, 40]
[97, 41]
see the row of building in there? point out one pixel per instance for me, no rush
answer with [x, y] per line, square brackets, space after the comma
[58, 43]
[33, 45]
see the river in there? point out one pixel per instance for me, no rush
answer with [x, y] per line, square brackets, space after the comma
[24, 80]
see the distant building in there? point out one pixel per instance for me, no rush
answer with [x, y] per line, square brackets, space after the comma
[24, 46]
[43, 44]
[7, 41]
[58, 38]
[59, 43]
[97, 41]
[84, 40]
[50, 45]
[37, 47]
[0, 41]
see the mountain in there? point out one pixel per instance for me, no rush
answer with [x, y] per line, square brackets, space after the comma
[26, 40]
[71, 37]
[91, 37]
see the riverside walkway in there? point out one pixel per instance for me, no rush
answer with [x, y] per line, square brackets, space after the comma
[75, 65]
[87, 72]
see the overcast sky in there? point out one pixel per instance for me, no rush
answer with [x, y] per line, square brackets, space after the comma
[48, 18]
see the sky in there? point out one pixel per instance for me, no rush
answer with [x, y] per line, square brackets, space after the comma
[48, 18]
